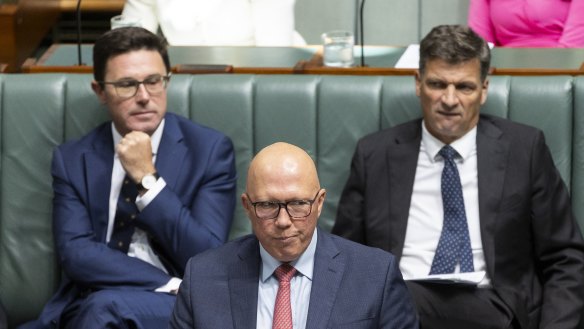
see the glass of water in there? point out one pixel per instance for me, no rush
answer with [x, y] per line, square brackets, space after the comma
[338, 48]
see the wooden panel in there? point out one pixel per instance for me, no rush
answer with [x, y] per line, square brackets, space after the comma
[8, 35]
[23, 27]
[93, 5]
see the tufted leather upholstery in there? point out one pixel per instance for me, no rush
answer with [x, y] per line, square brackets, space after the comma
[325, 115]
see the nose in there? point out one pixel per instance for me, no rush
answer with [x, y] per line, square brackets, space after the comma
[450, 97]
[142, 94]
[283, 220]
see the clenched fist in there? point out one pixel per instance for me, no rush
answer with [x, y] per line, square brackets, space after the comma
[135, 152]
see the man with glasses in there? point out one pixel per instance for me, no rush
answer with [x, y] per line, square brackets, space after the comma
[289, 274]
[136, 197]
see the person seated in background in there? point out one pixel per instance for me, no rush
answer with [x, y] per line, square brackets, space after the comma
[219, 22]
[136, 197]
[532, 23]
[471, 204]
[289, 274]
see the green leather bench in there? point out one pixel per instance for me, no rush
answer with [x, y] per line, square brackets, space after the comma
[325, 115]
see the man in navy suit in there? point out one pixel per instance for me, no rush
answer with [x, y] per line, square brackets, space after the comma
[525, 245]
[335, 283]
[136, 197]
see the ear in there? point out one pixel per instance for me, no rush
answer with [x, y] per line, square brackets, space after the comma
[320, 201]
[100, 92]
[485, 91]
[418, 78]
[246, 205]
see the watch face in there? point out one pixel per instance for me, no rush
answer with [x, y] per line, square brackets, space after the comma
[148, 181]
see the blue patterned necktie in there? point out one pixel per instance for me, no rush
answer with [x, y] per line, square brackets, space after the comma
[126, 212]
[454, 244]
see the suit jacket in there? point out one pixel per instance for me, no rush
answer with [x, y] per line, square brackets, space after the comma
[353, 287]
[191, 214]
[532, 244]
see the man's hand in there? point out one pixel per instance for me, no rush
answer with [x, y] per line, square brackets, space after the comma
[135, 152]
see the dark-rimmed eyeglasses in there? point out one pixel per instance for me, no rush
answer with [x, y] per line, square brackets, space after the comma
[127, 88]
[296, 209]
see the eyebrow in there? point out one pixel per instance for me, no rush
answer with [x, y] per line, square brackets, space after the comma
[458, 84]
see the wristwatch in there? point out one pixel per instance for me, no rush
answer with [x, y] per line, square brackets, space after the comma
[147, 182]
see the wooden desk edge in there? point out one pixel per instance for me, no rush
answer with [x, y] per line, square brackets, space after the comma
[88, 69]
[536, 71]
[95, 5]
[56, 69]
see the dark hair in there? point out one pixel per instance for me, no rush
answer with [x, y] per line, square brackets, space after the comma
[124, 40]
[455, 44]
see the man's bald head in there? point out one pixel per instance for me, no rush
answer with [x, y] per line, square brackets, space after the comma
[283, 178]
[282, 161]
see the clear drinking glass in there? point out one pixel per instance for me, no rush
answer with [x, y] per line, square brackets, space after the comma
[338, 48]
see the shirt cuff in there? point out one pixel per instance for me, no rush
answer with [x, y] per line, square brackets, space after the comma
[171, 287]
[144, 200]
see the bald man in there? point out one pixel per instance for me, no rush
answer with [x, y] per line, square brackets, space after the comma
[289, 274]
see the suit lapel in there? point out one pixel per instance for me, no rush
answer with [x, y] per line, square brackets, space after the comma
[402, 159]
[243, 285]
[98, 164]
[171, 151]
[329, 267]
[492, 153]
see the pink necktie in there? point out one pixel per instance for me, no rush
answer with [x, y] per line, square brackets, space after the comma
[283, 309]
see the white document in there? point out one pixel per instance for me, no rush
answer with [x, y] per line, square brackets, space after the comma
[468, 278]
[410, 59]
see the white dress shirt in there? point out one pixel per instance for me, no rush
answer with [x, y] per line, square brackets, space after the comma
[139, 246]
[426, 214]
[300, 287]
[219, 22]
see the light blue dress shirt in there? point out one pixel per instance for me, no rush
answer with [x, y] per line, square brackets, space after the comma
[300, 287]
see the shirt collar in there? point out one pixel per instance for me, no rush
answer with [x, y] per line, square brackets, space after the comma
[303, 265]
[464, 146]
[154, 139]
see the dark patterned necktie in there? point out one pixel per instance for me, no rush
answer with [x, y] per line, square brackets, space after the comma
[454, 244]
[126, 212]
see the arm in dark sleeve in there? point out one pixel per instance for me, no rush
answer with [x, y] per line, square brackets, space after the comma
[397, 309]
[184, 230]
[558, 244]
[350, 214]
[83, 254]
[182, 316]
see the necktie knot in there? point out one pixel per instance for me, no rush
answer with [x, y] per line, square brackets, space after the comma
[285, 272]
[448, 152]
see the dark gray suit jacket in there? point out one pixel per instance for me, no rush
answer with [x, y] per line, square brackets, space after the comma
[532, 244]
[353, 287]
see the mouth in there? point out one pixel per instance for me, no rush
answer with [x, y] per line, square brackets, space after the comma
[448, 114]
[142, 113]
[286, 239]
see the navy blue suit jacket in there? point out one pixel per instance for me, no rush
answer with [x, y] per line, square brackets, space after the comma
[353, 286]
[191, 214]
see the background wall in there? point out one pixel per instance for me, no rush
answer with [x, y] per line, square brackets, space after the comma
[387, 22]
